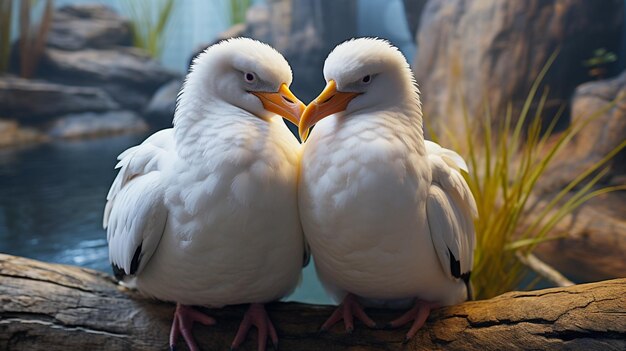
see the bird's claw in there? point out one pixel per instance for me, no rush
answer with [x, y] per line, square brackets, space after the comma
[257, 316]
[184, 318]
[418, 315]
[348, 309]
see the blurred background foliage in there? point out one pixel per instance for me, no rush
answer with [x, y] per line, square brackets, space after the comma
[506, 165]
[33, 35]
[543, 133]
[149, 20]
[238, 9]
[33, 20]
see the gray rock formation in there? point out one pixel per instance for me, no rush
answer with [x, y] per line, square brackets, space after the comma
[12, 134]
[125, 66]
[605, 132]
[88, 66]
[38, 102]
[600, 107]
[160, 110]
[491, 51]
[97, 124]
[80, 26]
[128, 74]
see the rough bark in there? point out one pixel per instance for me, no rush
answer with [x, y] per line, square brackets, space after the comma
[55, 307]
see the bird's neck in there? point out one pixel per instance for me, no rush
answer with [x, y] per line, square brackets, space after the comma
[409, 110]
[403, 116]
[201, 123]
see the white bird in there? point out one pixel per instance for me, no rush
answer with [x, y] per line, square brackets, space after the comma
[205, 213]
[388, 216]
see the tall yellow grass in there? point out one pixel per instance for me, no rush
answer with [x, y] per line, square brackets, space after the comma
[506, 163]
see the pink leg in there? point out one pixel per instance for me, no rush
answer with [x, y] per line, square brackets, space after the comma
[349, 307]
[418, 314]
[184, 317]
[257, 316]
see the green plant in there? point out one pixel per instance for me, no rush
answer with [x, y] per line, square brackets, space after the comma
[149, 19]
[600, 57]
[598, 63]
[32, 40]
[506, 164]
[6, 12]
[238, 10]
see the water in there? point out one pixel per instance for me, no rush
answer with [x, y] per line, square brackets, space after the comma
[51, 202]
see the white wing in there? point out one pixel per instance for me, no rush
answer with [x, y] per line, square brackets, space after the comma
[135, 213]
[450, 157]
[451, 209]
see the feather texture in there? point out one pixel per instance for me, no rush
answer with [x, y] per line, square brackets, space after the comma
[206, 213]
[451, 209]
[387, 214]
[135, 213]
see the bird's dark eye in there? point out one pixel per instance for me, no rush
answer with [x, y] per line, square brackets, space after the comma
[366, 79]
[250, 77]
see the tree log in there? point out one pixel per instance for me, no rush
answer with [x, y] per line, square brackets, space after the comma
[55, 307]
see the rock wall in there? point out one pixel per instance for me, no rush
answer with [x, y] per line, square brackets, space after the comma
[599, 107]
[476, 52]
[491, 51]
[38, 102]
[605, 132]
[90, 45]
[92, 26]
[90, 80]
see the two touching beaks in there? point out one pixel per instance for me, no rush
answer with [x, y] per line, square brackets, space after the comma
[287, 105]
[329, 101]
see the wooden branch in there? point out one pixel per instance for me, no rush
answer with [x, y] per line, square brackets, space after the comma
[54, 307]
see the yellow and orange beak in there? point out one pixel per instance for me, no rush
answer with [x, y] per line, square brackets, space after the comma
[282, 103]
[330, 101]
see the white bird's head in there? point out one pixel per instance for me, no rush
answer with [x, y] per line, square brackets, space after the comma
[244, 73]
[364, 73]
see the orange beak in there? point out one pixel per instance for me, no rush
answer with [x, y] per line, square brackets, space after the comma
[282, 103]
[330, 101]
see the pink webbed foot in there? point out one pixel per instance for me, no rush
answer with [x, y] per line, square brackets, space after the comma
[184, 317]
[349, 307]
[257, 316]
[418, 314]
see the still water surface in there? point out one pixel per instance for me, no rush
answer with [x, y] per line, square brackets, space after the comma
[51, 202]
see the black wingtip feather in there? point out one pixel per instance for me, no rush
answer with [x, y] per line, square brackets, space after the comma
[455, 269]
[119, 272]
[455, 265]
[134, 264]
